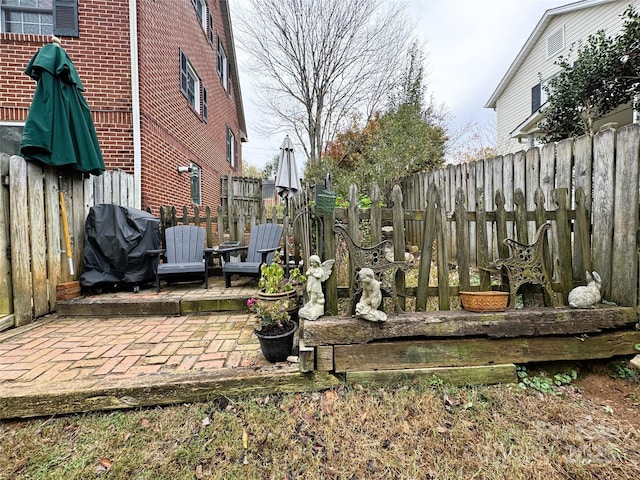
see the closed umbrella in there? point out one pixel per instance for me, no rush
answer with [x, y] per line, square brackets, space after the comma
[59, 130]
[287, 184]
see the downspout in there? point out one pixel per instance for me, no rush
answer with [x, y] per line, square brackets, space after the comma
[135, 103]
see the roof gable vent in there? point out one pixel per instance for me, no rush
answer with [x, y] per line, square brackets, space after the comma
[555, 42]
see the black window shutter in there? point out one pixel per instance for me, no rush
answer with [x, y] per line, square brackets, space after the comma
[205, 104]
[65, 18]
[211, 31]
[235, 152]
[183, 73]
[535, 98]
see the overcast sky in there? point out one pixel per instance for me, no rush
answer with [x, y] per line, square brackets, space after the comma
[470, 44]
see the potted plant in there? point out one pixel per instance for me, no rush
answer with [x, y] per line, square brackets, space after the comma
[274, 285]
[275, 329]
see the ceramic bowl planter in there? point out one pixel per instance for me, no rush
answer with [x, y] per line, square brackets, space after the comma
[484, 301]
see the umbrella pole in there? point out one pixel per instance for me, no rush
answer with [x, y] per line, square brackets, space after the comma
[285, 220]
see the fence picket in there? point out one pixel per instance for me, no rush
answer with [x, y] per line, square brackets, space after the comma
[20, 268]
[624, 262]
[6, 290]
[602, 207]
[36, 208]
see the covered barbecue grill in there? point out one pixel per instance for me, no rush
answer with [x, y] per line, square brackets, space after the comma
[116, 240]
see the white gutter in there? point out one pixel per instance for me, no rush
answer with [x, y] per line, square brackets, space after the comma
[135, 104]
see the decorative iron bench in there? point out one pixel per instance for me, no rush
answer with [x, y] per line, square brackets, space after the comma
[378, 258]
[526, 265]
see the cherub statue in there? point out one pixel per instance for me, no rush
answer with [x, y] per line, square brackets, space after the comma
[316, 274]
[367, 307]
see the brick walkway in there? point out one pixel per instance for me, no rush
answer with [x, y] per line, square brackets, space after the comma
[67, 348]
[72, 348]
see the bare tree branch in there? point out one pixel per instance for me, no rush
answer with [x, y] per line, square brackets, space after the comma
[317, 62]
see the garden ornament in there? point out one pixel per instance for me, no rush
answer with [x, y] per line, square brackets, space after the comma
[367, 307]
[316, 274]
[586, 296]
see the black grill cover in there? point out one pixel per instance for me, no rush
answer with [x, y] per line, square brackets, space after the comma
[115, 241]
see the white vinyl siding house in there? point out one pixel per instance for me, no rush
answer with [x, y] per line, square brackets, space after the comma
[557, 32]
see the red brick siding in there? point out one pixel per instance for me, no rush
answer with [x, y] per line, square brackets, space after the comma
[101, 55]
[169, 119]
[172, 134]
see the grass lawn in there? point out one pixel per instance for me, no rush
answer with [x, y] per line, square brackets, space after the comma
[412, 431]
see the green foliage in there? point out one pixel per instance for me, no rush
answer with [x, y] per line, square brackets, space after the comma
[621, 369]
[605, 75]
[543, 383]
[273, 280]
[269, 313]
[405, 139]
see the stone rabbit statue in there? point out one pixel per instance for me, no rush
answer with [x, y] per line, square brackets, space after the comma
[586, 296]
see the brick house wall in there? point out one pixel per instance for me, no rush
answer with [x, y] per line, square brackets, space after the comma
[172, 133]
[102, 57]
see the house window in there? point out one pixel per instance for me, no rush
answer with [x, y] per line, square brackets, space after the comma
[189, 82]
[10, 137]
[231, 148]
[27, 16]
[40, 17]
[222, 64]
[211, 32]
[555, 42]
[196, 182]
[201, 12]
[539, 95]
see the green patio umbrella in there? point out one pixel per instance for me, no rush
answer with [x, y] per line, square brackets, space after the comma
[59, 130]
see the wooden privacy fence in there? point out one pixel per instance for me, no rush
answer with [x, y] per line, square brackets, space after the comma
[567, 244]
[33, 258]
[605, 166]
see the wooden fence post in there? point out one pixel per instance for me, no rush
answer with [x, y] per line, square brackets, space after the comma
[561, 198]
[398, 242]
[428, 237]
[462, 240]
[482, 247]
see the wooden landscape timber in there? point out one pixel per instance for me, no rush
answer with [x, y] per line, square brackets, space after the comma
[411, 345]
[149, 390]
[460, 376]
[482, 351]
[461, 323]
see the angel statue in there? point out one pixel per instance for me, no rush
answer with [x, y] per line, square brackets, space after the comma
[316, 274]
[367, 307]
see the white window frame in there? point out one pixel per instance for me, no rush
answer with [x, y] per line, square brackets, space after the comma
[44, 13]
[231, 147]
[190, 88]
[222, 64]
[200, 7]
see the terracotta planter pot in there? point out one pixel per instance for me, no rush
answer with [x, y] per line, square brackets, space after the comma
[291, 296]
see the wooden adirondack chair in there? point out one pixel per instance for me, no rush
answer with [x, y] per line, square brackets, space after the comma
[184, 254]
[263, 242]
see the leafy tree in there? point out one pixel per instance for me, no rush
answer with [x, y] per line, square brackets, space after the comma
[605, 75]
[319, 61]
[271, 168]
[252, 171]
[407, 138]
